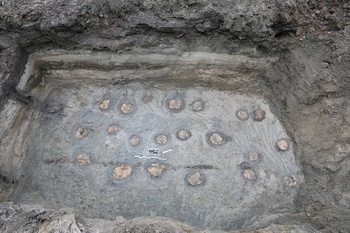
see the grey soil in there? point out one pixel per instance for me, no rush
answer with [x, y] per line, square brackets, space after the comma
[78, 79]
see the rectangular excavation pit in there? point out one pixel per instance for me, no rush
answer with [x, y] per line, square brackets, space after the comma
[84, 141]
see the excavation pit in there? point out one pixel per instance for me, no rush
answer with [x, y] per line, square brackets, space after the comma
[202, 185]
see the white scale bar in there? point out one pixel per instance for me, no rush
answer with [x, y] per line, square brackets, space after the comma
[146, 157]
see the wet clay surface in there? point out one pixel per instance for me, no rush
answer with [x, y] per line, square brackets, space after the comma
[102, 173]
[306, 87]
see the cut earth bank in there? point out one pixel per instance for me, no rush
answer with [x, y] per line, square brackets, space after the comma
[88, 88]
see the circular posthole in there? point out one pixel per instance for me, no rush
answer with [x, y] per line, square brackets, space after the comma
[83, 159]
[195, 179]
[198, 105]
[134, 140]
[161, 139]
[156, 169]
[254, 156]
[183, 134]
[242, 115]
[104, 104]
[283, 144]
[81, 133]
[127, 108]
[216, 139]
[147, 98]
[175, 104]
[259, 115]
[112, 129]
[122, 172]
[249, 174]
[291, 181]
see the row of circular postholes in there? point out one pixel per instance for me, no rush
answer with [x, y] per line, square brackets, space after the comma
[135, 140]
[176, 105]
[124, 171]
[214, 139]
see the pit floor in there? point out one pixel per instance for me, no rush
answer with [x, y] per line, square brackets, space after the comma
[72, 158]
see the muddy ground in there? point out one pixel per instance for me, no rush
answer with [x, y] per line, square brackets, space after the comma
[307, 85]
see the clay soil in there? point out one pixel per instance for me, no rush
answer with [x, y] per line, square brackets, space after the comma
[308, 86]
